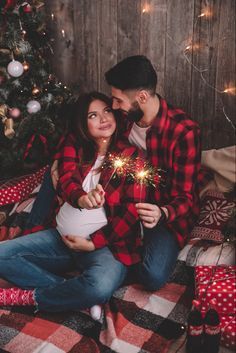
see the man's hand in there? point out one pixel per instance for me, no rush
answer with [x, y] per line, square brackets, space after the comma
[78, 243]
[149, 214]
[94, 198]
[54, 173]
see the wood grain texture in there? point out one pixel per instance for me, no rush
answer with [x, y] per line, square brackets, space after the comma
[100, 33]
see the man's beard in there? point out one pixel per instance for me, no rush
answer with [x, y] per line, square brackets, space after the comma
[135, 114]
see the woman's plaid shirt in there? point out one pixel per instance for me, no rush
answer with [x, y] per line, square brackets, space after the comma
[122, 233]
[173, 144]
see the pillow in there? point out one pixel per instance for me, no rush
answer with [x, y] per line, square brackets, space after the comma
[215, 212]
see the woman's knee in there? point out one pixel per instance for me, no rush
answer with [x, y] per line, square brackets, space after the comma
[104, 288]
[7, 249]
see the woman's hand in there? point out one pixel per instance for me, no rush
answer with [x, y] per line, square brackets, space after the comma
[78, 243]
[149, 214]
[94, 198]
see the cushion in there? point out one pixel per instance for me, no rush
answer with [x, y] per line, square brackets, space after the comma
[215, 212]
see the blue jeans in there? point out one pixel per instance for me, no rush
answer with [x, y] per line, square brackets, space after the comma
[43, 202]
[159, 257]
[38, 260]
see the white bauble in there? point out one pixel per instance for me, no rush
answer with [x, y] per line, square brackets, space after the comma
[33, 106]
[15, 68]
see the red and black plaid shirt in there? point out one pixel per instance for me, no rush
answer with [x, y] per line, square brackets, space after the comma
[173, 144]
[122, 233]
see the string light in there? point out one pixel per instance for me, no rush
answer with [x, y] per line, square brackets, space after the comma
[63, 33]
[191, 47]
[52, 16]
[230, 90]
[146, 9]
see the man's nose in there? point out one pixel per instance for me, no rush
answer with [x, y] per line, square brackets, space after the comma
[115, 105]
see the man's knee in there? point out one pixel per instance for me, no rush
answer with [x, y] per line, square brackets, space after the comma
[152, 280]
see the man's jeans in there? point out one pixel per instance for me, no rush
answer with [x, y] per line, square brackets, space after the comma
[159, 257]
[37, 260]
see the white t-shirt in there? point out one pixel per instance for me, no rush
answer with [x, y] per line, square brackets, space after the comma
[72, 221]
[137, 136]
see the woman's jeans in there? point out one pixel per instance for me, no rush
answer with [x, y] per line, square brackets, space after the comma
[38, 260]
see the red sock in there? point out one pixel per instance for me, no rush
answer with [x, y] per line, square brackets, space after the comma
[16, 296]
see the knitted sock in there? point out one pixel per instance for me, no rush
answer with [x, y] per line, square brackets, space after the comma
[16, 296]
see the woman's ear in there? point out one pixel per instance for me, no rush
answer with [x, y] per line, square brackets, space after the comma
[142, 97]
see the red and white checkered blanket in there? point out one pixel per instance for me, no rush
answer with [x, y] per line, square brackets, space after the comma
[134, 321]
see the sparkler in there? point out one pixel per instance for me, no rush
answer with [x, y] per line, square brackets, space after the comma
[146, 174]
[120, 164]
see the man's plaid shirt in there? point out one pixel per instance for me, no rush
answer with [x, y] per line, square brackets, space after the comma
[122, 233]
[173, 144]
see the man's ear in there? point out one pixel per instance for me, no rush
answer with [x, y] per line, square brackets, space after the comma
[142, 96]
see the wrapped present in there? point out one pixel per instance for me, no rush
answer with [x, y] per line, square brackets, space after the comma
[17, 189]
[216, 282]
[228, 332]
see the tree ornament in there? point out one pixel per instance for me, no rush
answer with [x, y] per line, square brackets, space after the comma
[15, 68]
[36, 90]
[8, 127]
[25, 65]
[25, 7]
[7, 122]
[33, 106]
[3, 110]
[14, 113]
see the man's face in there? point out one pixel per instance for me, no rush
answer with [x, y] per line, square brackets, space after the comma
[129, 106]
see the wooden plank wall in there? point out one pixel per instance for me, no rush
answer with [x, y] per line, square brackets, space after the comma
[98, 33]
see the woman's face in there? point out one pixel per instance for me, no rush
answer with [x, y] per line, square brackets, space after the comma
[101, 121]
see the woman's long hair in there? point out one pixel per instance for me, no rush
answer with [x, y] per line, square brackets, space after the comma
[78, 118]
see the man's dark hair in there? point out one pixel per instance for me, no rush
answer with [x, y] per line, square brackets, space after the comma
[134, 72]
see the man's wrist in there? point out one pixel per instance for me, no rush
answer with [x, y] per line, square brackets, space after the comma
[163, 217]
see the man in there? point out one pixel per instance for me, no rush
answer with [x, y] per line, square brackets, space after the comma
[171, 142]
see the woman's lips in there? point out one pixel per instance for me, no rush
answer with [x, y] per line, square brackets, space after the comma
[105, 127]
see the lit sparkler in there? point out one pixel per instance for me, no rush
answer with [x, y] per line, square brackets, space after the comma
[120, 164]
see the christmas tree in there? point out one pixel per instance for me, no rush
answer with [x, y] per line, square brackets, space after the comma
[31, 97]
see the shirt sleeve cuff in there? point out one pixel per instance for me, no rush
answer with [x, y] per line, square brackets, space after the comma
[98, 240]
[171, 213]
[75, 195]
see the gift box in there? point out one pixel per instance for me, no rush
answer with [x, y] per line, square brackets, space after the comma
[228, 332]
[17, 189]
[216, 282]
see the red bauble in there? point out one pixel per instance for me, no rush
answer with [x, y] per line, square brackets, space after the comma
[27, 8]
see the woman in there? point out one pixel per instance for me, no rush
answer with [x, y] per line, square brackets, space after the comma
[106, 213]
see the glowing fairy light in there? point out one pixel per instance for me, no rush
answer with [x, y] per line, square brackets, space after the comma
[63, 33]
[230, 90]
[52, 16]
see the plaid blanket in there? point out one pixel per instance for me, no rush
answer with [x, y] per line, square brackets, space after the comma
[134, 321]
